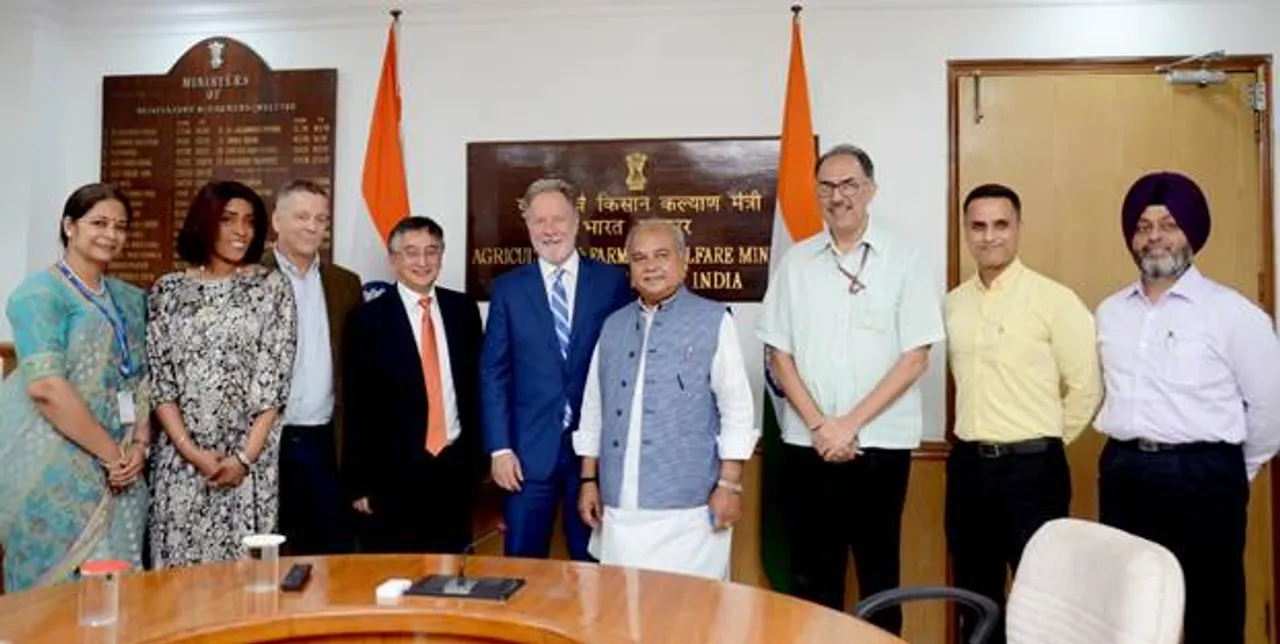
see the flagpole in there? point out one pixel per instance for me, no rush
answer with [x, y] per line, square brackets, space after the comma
[395, 27]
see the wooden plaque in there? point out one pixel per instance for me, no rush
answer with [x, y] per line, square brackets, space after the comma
[720, 191]
[220, 113]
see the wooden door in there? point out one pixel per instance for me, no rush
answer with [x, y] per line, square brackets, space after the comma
[1071, 139]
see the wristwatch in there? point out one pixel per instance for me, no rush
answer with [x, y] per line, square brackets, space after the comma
[589, 479]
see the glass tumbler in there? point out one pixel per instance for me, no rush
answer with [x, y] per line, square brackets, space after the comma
[263, 554]
[100, 591]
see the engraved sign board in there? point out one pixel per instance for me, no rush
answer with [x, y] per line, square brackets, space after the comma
[719, 191]
[220, 113]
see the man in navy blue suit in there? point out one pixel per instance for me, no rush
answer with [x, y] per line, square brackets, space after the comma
[544, 319]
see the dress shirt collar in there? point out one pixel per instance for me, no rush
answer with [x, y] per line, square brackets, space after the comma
[570, 267]
[1188, 287]
[292, 269]
[1004, 281]
[872, 237]
[412, 298]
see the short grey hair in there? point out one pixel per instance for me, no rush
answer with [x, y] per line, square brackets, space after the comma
[849, 150]
[543, 186]
[682, 245]
[293, 186]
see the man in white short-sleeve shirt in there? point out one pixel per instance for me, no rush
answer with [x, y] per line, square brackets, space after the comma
[849, 317]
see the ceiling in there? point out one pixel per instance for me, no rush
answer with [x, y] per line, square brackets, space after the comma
[161, 13]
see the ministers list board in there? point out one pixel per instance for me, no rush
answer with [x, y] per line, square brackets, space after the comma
[220, 113]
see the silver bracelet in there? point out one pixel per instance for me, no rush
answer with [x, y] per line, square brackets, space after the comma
[736, 488]
[243, 458]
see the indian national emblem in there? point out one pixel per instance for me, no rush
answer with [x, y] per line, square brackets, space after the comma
[215, 54]
[635, 171]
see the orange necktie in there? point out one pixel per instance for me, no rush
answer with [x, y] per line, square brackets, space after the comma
[431, 374]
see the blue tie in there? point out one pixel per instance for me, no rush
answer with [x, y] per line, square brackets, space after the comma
[560, 311]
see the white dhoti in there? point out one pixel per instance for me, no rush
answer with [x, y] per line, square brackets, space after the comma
[679, 541]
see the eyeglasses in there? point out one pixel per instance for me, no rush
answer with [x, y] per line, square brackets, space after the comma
[848, 187]
[416, 254]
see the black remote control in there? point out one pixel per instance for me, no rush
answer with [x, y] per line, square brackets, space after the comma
[297, 577]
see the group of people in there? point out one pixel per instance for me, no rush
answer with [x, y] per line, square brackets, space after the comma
[257, 391]
[1180, 373]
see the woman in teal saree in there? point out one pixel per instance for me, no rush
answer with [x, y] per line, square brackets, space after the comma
[74, 433]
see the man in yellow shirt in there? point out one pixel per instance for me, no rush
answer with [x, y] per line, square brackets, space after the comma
[1023, 357]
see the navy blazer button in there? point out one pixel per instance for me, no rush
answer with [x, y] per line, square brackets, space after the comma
[619, 412]
[615, 443]
[631, 354]
[624, 384]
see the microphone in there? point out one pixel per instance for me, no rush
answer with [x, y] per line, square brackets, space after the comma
[461, 586]
[471, 549]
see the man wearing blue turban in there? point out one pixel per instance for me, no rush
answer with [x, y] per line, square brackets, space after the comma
[1191, 407]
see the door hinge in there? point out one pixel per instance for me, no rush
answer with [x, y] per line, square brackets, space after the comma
[1255, 95]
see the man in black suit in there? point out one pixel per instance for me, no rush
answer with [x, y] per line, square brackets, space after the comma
[412, 451]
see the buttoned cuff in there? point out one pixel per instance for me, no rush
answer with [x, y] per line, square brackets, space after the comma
[738, 447]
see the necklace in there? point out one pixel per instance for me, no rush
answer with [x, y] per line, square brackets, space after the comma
[206, 276]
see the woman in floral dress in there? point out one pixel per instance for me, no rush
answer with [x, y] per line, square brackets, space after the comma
[221, 340]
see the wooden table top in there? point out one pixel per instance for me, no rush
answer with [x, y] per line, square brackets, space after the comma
[562, 602]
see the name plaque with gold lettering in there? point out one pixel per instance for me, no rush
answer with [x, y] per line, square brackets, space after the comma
[719, 191]
[220, 113]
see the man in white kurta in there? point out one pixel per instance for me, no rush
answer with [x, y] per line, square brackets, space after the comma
[663, 458]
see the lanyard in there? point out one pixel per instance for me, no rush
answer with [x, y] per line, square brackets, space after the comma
[118, 325]
[855, 284]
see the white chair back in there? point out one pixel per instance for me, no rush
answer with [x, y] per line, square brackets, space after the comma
[1081, 582]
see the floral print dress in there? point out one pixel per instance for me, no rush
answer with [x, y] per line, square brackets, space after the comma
[222, 350]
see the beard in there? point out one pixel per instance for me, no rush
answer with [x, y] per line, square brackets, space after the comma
[1171, 264]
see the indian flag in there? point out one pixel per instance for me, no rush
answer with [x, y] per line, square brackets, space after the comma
[796, 217]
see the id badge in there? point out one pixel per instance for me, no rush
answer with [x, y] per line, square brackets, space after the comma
[124, 402]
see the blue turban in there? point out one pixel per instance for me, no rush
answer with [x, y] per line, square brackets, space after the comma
[1174, 191]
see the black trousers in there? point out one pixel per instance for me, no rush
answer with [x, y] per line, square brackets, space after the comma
[312, 514]
[425, 508]
[833, 507]
[1192, 500]
[996, 499]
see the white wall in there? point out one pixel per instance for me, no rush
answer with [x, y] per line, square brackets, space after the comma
[16, 69]
[568, 69]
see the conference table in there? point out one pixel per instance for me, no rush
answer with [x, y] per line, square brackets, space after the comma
[562, 602]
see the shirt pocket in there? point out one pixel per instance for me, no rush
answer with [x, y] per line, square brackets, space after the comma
[1021, 343]
[874, 318]
[1189, 359]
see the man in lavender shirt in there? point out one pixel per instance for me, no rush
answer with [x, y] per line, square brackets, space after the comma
[1192, 406]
